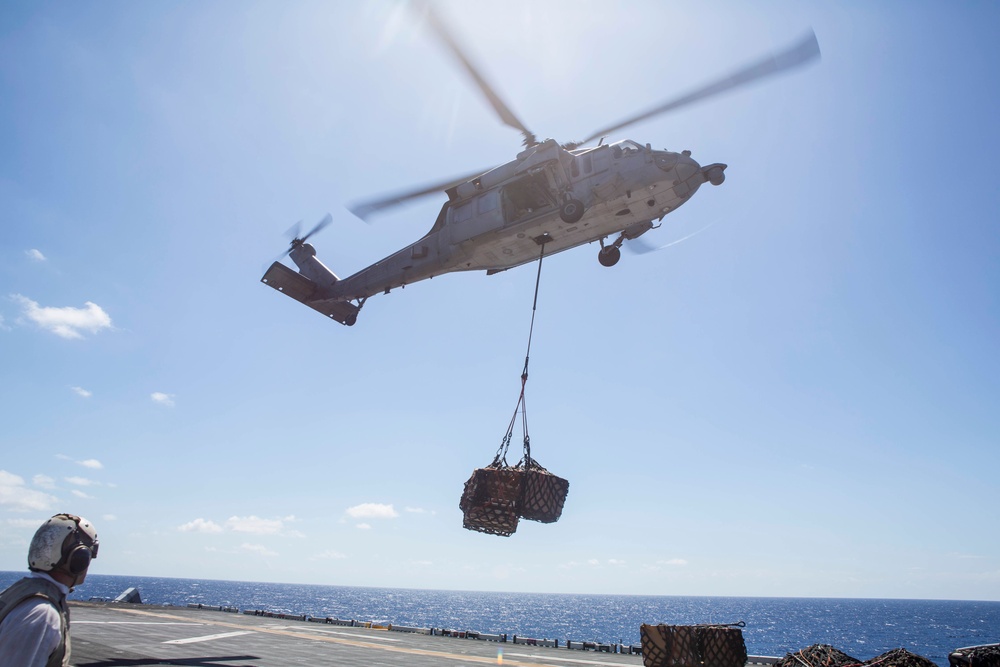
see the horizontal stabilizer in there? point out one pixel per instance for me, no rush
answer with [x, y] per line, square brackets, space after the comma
[300, 288]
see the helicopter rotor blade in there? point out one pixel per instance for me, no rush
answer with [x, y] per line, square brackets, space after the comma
[283, 253]
[294, 231]
[799, 54]
[640, 246]
[506, 115]
[367, 208]
[327, 219]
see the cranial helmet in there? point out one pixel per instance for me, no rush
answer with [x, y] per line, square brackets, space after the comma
[64, 542]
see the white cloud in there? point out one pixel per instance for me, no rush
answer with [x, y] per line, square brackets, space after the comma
[25, 523]
[329, 554]
[80, 391]
[109, 517]
[35, 254]
[80, 494]
[67, 322]
[253, 525]
[43, 481]
[162, 399]
[615, 561]
[372, 511]
[93, 464]
[593, 561]
[672, 561]
[81, 481]
[256, 525]
[364, 526]
[16, 496]
[200, 525]
[258, 549]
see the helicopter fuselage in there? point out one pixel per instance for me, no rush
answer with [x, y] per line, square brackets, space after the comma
[549, 199]
[549, 195]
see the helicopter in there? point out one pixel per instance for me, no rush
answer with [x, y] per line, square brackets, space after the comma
[550, 198]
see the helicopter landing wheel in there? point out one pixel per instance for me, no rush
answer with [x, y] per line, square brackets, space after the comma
[571, 211]
[609, 256]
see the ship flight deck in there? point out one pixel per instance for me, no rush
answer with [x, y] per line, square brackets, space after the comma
[126, 635]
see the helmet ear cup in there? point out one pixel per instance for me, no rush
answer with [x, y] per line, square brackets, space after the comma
[78, 559]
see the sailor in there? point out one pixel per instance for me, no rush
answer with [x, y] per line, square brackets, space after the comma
[34, 616]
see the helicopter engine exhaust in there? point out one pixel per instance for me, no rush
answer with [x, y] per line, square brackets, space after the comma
[715, 173]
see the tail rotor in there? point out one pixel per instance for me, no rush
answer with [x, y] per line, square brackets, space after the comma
[296, 229]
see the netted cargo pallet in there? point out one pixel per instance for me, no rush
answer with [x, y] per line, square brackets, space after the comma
[693, 645]
[900, 657]
[975, 656]
[817, 655]
[542, 495]
[490, 501]
[824, 655]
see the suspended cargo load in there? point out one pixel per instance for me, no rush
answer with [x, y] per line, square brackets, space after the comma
[496, 497]
[542, 493]
[489, 501]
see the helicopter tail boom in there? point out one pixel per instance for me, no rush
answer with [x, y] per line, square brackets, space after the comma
[305, 291]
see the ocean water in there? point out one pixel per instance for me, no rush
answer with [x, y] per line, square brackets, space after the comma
[862, 628]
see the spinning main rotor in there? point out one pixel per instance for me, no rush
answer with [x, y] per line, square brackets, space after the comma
[800, 53]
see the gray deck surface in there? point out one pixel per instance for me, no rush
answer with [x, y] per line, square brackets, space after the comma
[109, 635]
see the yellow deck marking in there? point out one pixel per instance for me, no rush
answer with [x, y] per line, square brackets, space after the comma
[347, 642]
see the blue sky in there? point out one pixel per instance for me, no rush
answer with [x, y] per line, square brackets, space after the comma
[798, 401]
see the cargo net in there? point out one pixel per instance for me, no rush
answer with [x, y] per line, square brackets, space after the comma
[976, 656]
[489, 501]
[693, 645]
[817, 655]
[496, 497]
[542, 493]
[900, 657]
[824, 655]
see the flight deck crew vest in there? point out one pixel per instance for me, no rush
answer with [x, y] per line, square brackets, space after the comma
[30, 587]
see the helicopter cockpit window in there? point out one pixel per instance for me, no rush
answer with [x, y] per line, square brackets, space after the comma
[625, 148]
